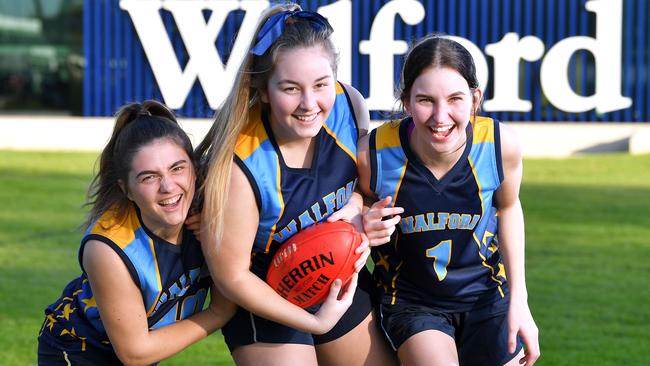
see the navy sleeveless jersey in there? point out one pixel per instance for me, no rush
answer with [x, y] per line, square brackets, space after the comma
[173, 281]
[445, 252]
[291, 199]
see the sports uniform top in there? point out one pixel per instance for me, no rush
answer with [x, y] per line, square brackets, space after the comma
[291, 199]
[444, 253]
[172, 279]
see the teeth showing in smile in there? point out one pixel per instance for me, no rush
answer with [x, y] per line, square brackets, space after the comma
[170, 201]
[307, 117]
[442, 128]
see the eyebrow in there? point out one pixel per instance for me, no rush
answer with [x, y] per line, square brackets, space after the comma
[147, 172]
[287, 81]
[456, 93]
[450, 95]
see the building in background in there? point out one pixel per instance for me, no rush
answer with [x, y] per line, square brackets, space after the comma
[552, 60]
[41, 56]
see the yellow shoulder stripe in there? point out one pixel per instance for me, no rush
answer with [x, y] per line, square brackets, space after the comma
[483, 129]
[252, 136]
[387, 135]
[120, 232]
[339, 88]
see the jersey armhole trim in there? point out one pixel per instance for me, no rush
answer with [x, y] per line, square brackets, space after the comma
[497, 151]
[372, 147]
[129, 265]
[251, 180]
[354, 112]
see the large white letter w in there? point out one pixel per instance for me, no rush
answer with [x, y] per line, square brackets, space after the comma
[199, 38]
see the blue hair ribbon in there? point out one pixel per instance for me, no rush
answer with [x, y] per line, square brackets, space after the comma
[274, 27]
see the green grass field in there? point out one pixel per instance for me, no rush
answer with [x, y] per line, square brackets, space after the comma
[588, 254]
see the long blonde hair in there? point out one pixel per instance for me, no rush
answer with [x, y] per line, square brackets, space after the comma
[217, 148]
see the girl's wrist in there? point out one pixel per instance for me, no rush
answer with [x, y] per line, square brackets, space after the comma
[520, 295]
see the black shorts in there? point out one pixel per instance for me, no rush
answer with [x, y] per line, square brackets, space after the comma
[481, 334]
[246, 328]
[49, 355]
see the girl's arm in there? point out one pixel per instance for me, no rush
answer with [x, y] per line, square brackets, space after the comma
[123, 314]
[353, 211]
[360, 108]
[229, 262]
[377, 230]
[511, 246]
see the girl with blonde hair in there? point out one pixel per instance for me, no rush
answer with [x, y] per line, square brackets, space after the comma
[292, 131]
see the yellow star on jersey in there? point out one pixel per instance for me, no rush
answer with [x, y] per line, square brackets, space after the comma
[90, 303]
[486, 236]
[502, 271]
[382, 284]
[50, 322]
[70, 332]
[383, 261]
[67, 310]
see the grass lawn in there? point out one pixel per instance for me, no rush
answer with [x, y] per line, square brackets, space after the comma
[588, 254]
[588, 258]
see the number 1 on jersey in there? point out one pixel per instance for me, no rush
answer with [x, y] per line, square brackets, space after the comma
[441, 255]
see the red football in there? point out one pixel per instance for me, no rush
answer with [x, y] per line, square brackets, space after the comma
[305, 266]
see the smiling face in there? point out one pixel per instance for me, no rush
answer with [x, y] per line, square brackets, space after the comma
[300, 93]
[441, 104]
[161, 184]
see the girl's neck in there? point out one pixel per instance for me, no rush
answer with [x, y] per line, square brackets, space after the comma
[438, 163]
[173, 235]
[298, 153]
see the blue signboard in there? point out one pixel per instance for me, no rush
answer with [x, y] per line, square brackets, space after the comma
[553, 60]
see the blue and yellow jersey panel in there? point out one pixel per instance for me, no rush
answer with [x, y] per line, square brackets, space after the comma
[444, 253]
[254, 152]
[392, 160]
[290, 199]
[172, 279]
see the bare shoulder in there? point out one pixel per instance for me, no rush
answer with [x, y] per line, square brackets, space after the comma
[511, 151]
[108, 274]
[364, 143]
[363, 152]
[239, 183]
[99, 254]
[242, 202]
[363, 165]
[360, 108]
[354, 94]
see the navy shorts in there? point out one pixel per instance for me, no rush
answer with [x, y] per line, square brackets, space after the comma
[49, 355]
[481, 334]
[246, 328]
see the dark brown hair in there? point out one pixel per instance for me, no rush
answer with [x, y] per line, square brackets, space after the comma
[136, 125]
[436, 51]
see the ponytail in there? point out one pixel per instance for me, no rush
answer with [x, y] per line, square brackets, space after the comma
[136, 125]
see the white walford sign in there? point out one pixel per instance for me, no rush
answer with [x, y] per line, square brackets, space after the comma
[215, 77]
